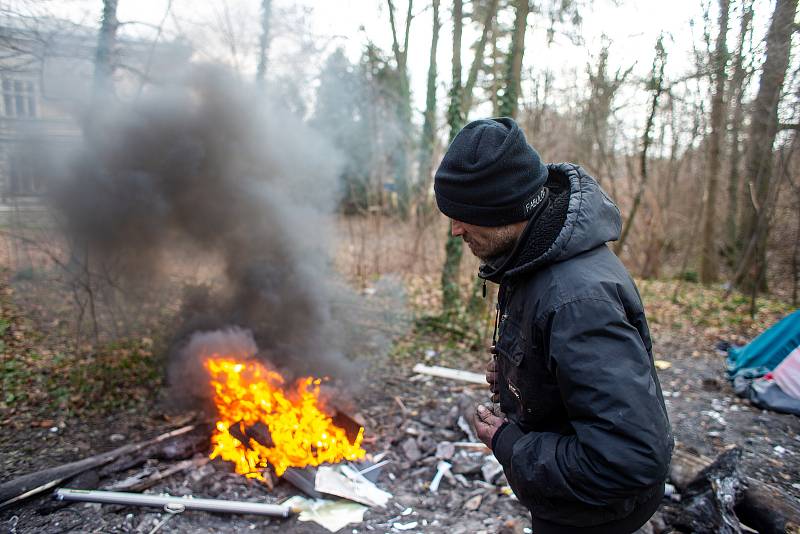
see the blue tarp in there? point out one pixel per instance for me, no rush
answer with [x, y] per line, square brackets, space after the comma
[765, 352]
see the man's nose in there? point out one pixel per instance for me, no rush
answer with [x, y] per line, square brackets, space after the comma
[456, 228]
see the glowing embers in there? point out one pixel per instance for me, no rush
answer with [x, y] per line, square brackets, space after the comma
[298, 433]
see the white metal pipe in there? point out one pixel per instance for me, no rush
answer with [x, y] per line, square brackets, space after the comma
[160, 501]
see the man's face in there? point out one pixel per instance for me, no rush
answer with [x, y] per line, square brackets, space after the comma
[487, 242]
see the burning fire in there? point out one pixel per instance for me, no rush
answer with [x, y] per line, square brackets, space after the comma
[247, 393]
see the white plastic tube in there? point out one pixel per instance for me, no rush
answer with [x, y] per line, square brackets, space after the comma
[174, 503]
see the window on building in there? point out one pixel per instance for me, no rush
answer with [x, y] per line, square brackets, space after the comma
[24, 175]
[19, 98]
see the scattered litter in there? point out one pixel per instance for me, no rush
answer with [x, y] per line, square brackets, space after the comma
[472, 445]
[491, 469]
[406, 512]
[661, 365]
[430, 353]
[467, 429]
[452, 374]
[374, 467]
[441, 469]
[445, 450]
[716, 416]
[332, 515]
[405, 526]
[411, 450]
[461, 479]
[342, 481]
[780, 451]
[473, 503]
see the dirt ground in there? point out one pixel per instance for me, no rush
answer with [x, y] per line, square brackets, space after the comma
[406, 417]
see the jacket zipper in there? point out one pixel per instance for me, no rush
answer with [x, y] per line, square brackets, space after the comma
[517, 394]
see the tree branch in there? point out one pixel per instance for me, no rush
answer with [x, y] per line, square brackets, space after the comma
[395, 44]
[409, 17]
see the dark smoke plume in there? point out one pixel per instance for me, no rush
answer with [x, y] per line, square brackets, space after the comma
[204, 174]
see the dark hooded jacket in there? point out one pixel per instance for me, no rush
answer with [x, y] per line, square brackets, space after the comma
[588, 442]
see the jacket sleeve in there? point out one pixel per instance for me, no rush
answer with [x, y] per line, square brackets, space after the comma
[622, 442]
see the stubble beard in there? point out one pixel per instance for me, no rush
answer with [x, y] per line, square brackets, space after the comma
[499, 240]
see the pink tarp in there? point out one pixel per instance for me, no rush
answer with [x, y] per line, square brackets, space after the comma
[787, 374]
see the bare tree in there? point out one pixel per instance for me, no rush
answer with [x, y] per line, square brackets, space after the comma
[751, 271]
[736, 88]
[478, 59]
[455, 118]
[656, 85]
[403, 104]
[709, 269]
[106, 41]
[513, 81]
[429, 126]
[264, 40]
[461, 98]
[597, 112]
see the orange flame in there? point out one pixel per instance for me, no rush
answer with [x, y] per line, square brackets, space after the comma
[302, 434]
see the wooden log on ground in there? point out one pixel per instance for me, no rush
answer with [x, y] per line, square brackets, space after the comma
[763, 507]
[150, 477]
[173, 449]
[31, 484]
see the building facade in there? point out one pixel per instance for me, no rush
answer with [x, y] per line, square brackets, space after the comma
[46, 76]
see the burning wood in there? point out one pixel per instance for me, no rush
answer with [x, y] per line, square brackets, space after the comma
[263, 423]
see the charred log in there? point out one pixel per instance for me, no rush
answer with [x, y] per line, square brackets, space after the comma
[709, 499]
[761, 506]
[174, 449]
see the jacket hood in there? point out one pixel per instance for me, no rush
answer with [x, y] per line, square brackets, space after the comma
[591, 220]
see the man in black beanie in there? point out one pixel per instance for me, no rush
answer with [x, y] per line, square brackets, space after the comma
[582, 431]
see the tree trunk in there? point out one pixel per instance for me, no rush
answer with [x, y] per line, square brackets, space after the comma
[263, 42]
[454, 247]
[656, 85]
[104, 58]
[477, 61]
[510, 97]
[400, 159]
[494, 91]
[763, 129]
[429, 127]
[736, 94]
[709, 269]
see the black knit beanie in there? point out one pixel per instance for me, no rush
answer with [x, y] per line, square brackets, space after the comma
[490, 175]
